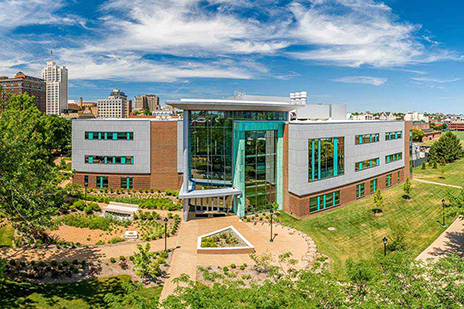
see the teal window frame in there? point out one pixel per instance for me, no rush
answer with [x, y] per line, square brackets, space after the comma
[388, 180]
[367, 138]
[324, 201]
[334, 164]
[113, 160]
[127, 182]
[390, 136]
[101, 182]
[373, 185]
[360, 190]
[366, 164]
[393, 157]
[120, 136]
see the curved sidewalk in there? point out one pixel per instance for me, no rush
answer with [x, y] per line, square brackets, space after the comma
[451, 241]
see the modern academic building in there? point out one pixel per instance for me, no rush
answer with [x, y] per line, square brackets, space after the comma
[246, 153]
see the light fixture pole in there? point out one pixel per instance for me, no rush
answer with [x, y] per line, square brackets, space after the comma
[86, 184]
[385, 246]
[166, 234]
[271, 239]
[443, 205]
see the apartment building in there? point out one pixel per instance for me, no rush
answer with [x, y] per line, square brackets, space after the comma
[56, 78]
[147, 101]
[115, 106]
[21, 84]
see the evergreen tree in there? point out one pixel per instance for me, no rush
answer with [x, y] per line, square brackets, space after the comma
[407, 188]
[447, 149]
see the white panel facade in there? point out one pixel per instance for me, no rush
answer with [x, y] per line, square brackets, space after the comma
[139, 147]
[300, 133]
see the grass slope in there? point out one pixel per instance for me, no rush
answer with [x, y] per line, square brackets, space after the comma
[6, 235]
[80, 295]
[359, 234]
[453, 173]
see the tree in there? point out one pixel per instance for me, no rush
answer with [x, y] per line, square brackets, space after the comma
[417, 135]
[130, 298]
[378, 199]
[144, 262]
[407, 188]
[58, 133]
[447, 149]
[456, 202]
[424, 166]
[28, 196]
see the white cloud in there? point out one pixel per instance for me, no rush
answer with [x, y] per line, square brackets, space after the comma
[354, 33]
[367, 80]
[435, 80]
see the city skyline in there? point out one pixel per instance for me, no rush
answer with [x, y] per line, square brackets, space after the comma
[369, 55]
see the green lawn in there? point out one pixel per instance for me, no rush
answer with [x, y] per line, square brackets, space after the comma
[452, 174]
[359, 234]
[6, 235]
[460, 134]
[81, 295]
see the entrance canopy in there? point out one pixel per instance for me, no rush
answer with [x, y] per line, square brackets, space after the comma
[210, 193]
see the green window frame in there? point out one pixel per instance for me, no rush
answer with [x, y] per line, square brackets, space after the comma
[373, 185]
[101, 182]
[388, 180]
[127, 182]
[399, 177]
[326, 158]
[367, 138]
[324, 201]
[360, 190]
[362, 165]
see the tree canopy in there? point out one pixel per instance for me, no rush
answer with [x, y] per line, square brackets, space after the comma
[447, 149]
[28, 194]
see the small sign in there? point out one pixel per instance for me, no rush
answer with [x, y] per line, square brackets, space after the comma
[131, 235]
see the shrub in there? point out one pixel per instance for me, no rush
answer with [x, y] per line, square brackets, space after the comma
[54, 263]
[233, 266]
[90, 221]
[225, 269]
[65, 263]
[112, 260]
[423, 165]
[115, 240]
[75, 262]
[80, 205]
[122, 258]
[100, 242]
[12, 262]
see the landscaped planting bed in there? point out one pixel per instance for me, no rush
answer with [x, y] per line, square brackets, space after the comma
[222, 239]
[50, 272]
[96, 230]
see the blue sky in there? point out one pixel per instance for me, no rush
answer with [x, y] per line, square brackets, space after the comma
[370, 55]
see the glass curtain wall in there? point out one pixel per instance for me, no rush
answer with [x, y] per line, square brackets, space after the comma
[211, 144]
[260, 170]
[326, 158]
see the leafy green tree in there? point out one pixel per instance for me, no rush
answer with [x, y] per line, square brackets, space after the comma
[456, 202]
[58, 134]
[447, 149]
[417, 135]
[131, 299]
[28, 194]
[145, 264]
[378, 199]
[407, 188]
[424, 166]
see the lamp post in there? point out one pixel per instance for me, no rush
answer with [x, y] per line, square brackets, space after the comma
[385, 246]
[443, 205]
[271, 240]
[166, 234]
[86, 184]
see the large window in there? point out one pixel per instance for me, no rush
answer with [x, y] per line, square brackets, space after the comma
[388, 180]
[110, 135]
[260, 169]
[360, 190]
[211, 145]
[359, 166]
[102, 182]
[127, 182]
[366, 138]
[109, 160]
[324, 201]
[393, 135]
[393, 157]
[326, 158]
[373, 185]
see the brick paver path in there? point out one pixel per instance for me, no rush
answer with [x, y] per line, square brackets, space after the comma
[186, 260]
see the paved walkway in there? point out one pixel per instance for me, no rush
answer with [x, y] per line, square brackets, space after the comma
[438, 183]
[450, 241]
[186, 260]
[91, 253]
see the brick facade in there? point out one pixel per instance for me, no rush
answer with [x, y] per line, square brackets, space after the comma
[114, 180]
[298, 206]
[164, 173]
